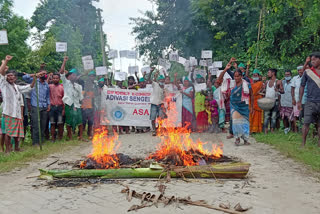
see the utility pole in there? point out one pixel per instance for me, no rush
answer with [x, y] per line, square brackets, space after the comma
[102, 39]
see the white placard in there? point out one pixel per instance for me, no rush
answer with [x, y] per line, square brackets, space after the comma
[209, 62]
[88, 65]
[217, 64]
[4, 37]
[85, 58]
[120, 76]
[101, 70]
[193, 61]
[226, 75]
[123, 54]
[203, 63]
[206, 54]
[146, 70]
[203, 73]
[213, 70]
[200, 87]
[133, 69]
[61, 47]
[132, 54]
[182, 60]
[113, 54]
[174, 56]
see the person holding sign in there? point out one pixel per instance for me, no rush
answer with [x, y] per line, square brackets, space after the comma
[11, 95]
[72, 99]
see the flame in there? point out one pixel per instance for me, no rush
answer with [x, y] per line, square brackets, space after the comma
[176, 142]
[104, 149]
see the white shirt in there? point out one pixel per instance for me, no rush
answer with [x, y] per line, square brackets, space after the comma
[12, 98]
[295, 83]
[286, 98]
[157, 95]
[72, 92]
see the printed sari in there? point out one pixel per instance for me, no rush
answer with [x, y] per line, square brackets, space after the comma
[201, 114]
[187, 108]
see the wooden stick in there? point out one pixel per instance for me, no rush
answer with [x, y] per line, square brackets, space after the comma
[53, 163]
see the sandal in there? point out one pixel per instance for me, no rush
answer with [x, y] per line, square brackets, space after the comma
[230, 136]
[247, 143]
[237, 142]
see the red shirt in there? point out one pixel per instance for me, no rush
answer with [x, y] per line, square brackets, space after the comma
[56, 94]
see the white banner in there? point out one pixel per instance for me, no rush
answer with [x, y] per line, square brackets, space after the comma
[122, 107]
[129, 54]
[101, 70]
[61, 47]
[4, 37]
[113, 54]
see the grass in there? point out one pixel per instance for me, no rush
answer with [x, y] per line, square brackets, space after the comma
[31, 153]
[289, 145]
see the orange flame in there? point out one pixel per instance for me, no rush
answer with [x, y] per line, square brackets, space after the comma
[176, 142]
[105, 148]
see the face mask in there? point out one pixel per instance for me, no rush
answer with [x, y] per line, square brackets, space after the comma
[255, 78]
[287, 78]
[161, 83]
[43, 77]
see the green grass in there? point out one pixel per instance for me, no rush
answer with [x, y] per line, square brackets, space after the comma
[289, 145]
[31, 153]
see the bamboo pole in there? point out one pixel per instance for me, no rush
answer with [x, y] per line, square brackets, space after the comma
[38, 111]
[258, 39]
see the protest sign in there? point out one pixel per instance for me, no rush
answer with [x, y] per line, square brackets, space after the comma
[4, 37]
[146, 70]
[85, 58]
[88, 65]
[61, 47]
[202, 73]
[120, 76]
[209, 62]
[203, 63]
[213, 70]
[226, 75]
[101, 70]
[174, 56]
[217, 64]
[193, 61]
[113, 54]
[200, 87]
[133, 69]
[164, 63]
[182, 60]
[132, 54]
[123, 54]
[206, 54]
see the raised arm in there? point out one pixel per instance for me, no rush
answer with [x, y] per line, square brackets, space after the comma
[3, 66]
[63, 66]
[228, 66]
[209, 83]
[248, 66]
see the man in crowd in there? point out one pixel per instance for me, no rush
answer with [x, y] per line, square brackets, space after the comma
[57, 110]
[273, 88]
[11, 95]
[44, 105]
[295, 87]
[72, 100]
[286, 101]
[311, 80]
[89, 92]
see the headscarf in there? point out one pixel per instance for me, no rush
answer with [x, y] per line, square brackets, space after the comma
[73, 71]
[198, 76]
[92, 73]
[101, 80]
[241, 65]
[161, 77]
[141, 79]
[256, 71]
[299, 67]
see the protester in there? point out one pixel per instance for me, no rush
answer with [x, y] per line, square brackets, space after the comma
[11, 95]
[44, 106]
[272, 87]
[213, 115]
[72, 98]
[90, 91]
[57, 110]
[187, 105]
[286, 108]
[311, 79]
[256, 116]
[295, 87]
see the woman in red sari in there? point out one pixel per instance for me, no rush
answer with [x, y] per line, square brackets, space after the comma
[256, 115]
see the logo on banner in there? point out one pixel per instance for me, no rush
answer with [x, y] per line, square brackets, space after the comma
[118, 114]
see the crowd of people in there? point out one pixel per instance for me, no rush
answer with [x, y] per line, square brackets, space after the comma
[48, 102]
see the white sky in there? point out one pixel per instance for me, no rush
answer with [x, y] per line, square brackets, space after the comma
[116, 14]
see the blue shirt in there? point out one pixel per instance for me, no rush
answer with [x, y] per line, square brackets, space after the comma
[44, 92]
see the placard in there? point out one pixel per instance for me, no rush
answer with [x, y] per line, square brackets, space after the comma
[146, 70]
[164, 63]
[203, 73]
[123, 54]
[203, 63]
[133, 69]
[182, 60]
[209, 62]
[200, 87]
[61, 47]
[206, 54]
[213, 70]
[85, 58]
[101, 70]
[113, 54]
[88, 65]
[4, 37]
[120, 76]
[132, 54]
[174, 56]
[217, 64]
[193, 61]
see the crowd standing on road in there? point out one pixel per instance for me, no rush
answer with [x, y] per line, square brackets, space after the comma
[69, 99]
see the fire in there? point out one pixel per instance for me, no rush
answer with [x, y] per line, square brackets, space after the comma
[176, 145]
[104, 150]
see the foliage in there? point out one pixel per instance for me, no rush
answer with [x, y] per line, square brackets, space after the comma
[290, 30]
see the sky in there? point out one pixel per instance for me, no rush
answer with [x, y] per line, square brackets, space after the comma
[116, 14]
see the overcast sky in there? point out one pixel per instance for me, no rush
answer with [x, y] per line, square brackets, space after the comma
[116, 14]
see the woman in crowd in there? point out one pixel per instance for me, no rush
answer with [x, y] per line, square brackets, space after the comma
[187, 106]
[256, 117]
